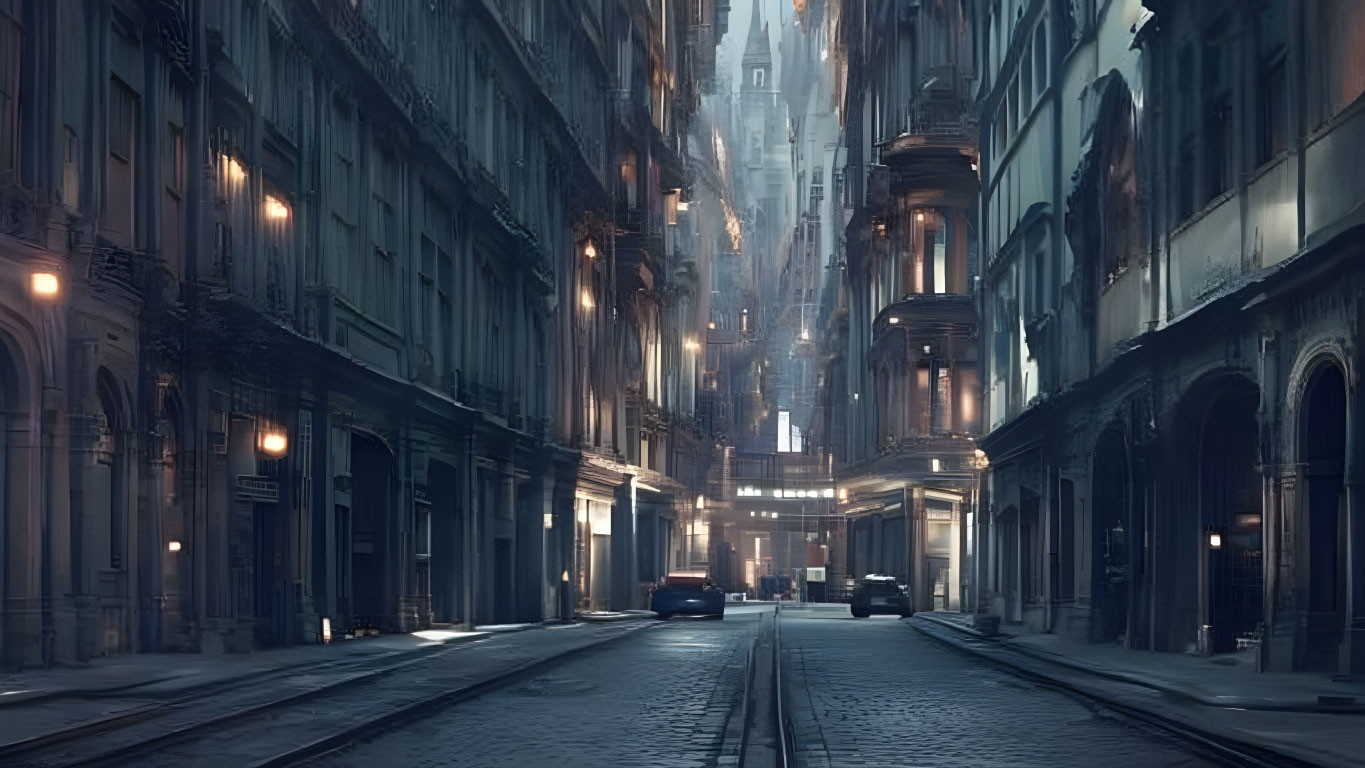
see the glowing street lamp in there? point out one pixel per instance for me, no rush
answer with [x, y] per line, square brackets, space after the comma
[589, 250]
[274, 443]
[44, 285]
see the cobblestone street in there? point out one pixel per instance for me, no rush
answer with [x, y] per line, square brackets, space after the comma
[873, 692]
[663, 697]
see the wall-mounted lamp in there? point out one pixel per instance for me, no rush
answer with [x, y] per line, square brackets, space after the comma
[919, 217]
[44, 285]
[1215, 540]
[172, 546]
[274, 443]
[893, 320]
[589, 250]
[711, 325]
[274, 209]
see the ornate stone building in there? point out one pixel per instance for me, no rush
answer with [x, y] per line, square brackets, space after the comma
[301, 320]
[1171, 218]
[908, 406]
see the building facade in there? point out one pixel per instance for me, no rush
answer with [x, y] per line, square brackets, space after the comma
[1169, 307]
[909, 405]
[308, 314]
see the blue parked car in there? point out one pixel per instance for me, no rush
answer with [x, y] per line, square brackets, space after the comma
[687, 593]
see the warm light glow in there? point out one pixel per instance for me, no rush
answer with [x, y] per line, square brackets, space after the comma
[919, 217]
[893, 320]
[843, 494]
[234, 169]
[44, 284]
[326, 630]
[701, 502]
[564, 576]
[586, 299]
[274, 209]
[805, 335]
[274, 443]
[935, 464]
[589, 250]
[1215, 540]
[172, 546]
[711, 325]
[549, 521]
[691, 345]
[733, 228]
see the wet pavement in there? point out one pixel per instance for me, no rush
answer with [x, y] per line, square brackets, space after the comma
[873, 692]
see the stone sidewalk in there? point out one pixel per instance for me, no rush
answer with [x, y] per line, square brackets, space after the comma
[166, 673]
[1305, 717]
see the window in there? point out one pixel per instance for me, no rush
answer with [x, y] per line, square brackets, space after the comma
[1025, 85]
[1272, 124]
[120, 180]
[1185, 150]
[759, 78]
[11, 54]
[1339, 53]
[1040, 57]
[1219, 146]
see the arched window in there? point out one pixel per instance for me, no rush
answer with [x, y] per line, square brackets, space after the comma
[1122, 233]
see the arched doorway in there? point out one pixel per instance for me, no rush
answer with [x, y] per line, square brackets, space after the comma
[15, 626]
[1322, 449]
[1230, 511]
[1110, 572]
[373, 532]
[447, 543]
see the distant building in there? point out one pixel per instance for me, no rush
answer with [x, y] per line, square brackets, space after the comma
[907, 407]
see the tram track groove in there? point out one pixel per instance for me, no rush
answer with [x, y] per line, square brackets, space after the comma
[396, 680]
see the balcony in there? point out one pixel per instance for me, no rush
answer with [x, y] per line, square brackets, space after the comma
[936, 314]
[257, 488]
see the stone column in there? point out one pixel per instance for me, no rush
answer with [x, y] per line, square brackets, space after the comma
[1353, 639]
[468, 470]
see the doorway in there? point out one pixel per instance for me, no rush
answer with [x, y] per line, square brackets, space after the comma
[1322, 441]
[1110, 573]
[1230, 505]
[372, 532]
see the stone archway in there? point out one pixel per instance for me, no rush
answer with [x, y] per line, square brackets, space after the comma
[1233, 571]
[1322, 453]
[1110, 571]
[374, 561]
[18, 635]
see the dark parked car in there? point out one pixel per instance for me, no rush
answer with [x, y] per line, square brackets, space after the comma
[880, 594]
[689, 593]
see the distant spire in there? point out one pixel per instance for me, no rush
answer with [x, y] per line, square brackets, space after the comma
[756, 49]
